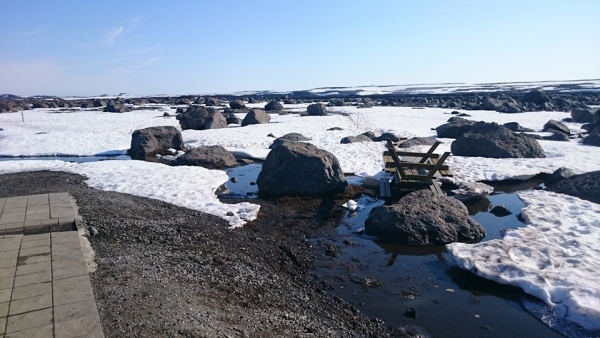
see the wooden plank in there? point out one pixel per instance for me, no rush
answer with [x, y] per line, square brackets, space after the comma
[410, 153]
[435, 188]
[430, 151]
[396, 161]
[384, 187]
[438, 165]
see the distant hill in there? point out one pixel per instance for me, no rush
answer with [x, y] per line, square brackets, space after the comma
[9, 97]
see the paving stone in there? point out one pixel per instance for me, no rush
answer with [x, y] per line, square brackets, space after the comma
[4, 309]
[12, 218]
[66, 220]
[8, 262]
[69, 271]
[75, 310]
[35, 251]
[71, 261]
[10, 245]
[67, 245]
[5, 295]
[13, 227]
[36, 243]
[46, 331]
[35, 237]
[33, 259]
[37, 217]
[30, 304]
[37, 209]
[88, 326]
[72, 290]
[6, 283]
[2, 325]
[29, 320]
[8, 272]
[31, 223]
[31, 291]
[66, 254]
[32, 268]
[10, 254]
[33, 278]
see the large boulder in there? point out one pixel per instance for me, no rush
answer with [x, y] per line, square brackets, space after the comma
[200, 118]
[98, 103]
[515, 126]
[300, 169]
[490, 103]
[510, 108]
[211, 102]
[585, 186]
[455, 127]
[273, 105]
[495, 141]
[582, 115]
[385, 136]
[256, 116]
[424, 218]
[556, 126]
[559, 175]
[317, 109]
[417, 141]
[116, 106]
[237, 104]
[356, 139]
[291, 137]
[592, 140]
[154, 140]
[211, 157]
[535, 96]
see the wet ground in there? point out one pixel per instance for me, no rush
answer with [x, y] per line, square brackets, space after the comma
[411, 285]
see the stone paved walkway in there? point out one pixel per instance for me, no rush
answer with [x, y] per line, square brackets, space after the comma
[45, 289]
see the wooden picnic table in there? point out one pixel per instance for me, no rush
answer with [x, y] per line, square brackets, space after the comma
[412, 170]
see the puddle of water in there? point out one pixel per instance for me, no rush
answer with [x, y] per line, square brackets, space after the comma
[494, 225]
[73, 159]
[245, 181]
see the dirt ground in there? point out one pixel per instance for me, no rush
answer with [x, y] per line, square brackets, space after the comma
[166, 271]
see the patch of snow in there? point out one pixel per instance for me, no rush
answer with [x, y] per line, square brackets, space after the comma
[351, 205]
[185, 186]
[555, 258]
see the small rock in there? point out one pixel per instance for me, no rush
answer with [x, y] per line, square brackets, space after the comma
[93, 231]
[411, 313]
[229, 213]
[500, 211]
[252, 183]
[234, 179]
[450, 290]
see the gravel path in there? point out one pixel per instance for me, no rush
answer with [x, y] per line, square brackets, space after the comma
[169, 271]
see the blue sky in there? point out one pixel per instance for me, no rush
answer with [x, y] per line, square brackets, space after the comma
[178, 47]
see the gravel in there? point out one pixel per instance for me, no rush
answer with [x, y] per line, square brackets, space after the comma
[173, 272]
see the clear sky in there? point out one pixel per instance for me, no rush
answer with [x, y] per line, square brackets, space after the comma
[69, 47]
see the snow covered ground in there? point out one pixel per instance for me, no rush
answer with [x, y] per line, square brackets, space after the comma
[554, 258]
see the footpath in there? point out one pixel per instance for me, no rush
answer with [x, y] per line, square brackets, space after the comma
[45, 289]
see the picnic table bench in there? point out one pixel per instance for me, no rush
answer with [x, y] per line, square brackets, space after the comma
[412, 170]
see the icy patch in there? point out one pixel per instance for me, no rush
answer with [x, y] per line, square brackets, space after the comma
[185, 186]
[556, 257]
[351, 205]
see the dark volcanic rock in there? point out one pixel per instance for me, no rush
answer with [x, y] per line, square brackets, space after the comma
[237, 104]
[211, 102]
[273, 105]
[495, 141]
[510, 108]
[515, 126]
[500, 211]
[557, 137]
[154, 140]
[582, 115]
[317, 109]
[559, 175]
[200, 118]
[211, 157]
[300, 169]
[291, 137]
[256, 116]
[356, 139]
[337, 102]
[116, 106]
[592, 140]
[585, 186]
[424, 218]
[537, 97]
[490, 103]
[455, 127]
[417, 141]
[558, 126]
[386, 136]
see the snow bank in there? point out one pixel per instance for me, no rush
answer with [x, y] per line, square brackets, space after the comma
[556, 257]
[189, 187]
